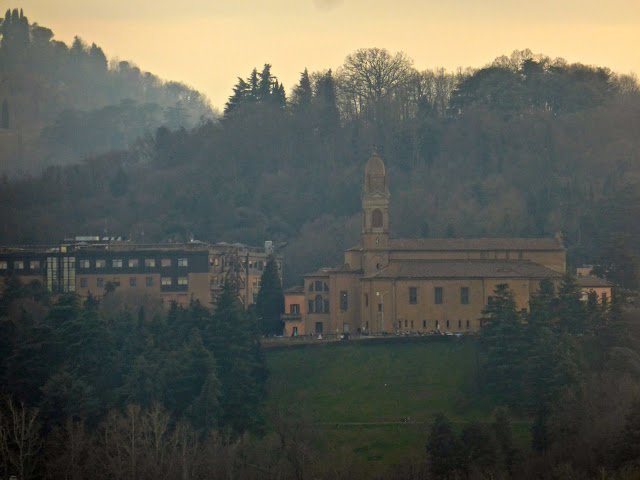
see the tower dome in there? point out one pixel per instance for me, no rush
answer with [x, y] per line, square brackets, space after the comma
[375, 176]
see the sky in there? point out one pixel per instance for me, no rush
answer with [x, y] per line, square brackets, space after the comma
[207, 44]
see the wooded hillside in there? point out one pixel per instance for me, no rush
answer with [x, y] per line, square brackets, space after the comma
[527, 146]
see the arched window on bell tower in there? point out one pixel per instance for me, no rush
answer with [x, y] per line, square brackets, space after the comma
[376, 219]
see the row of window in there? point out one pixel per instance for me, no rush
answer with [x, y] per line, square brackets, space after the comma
[20, 264]
[318, 286]
[438, 295]
[133, 263]
[436, 324]
[133, 281]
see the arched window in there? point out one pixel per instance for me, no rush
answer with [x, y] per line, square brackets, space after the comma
[318, 306]
[376, 219]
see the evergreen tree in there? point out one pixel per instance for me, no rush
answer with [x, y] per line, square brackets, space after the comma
[302, 94]
[4, 116]
[240, 93]
[265, 83]
[270, 303]
[443, 447]
[572, 311]
[502, 336]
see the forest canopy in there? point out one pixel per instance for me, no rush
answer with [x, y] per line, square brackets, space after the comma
[526, 146]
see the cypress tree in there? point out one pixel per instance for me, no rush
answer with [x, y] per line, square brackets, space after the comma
[270, 303]
[4, 117]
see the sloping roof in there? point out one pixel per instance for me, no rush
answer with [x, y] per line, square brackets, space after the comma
[586, 281]
[296, 289]
[464, 269]
[321, 272]
[475, 244]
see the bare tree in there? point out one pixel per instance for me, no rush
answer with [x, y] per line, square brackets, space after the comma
[20, 439]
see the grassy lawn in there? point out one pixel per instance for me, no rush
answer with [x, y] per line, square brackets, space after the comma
[359, 393]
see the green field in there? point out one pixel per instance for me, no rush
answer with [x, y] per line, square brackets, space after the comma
[376, 399]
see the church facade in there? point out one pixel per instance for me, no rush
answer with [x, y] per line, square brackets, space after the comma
[393, 285]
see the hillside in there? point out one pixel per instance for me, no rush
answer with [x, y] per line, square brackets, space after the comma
[527, 146]
[375, 400]
[63, 103]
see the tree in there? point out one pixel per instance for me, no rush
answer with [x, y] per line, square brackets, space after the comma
[4, 116]
[270, 303]
[443, 447]
[302, 94]
[503, 339]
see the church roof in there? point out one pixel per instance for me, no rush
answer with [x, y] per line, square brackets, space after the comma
[475, 244]
[464, 269]
[586, 281]
[375, 166]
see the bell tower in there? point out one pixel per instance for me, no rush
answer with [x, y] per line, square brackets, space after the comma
[375, 215]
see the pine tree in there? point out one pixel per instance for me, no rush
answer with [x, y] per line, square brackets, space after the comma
[442, 447]
[4, 116]
[240, 94]
[302, 94]
[265, 83]
[270, 303]
[572, 311]
[502, 336]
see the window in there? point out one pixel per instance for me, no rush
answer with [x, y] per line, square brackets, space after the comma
[604, 297]
[183, 281]
[447, 323]
[318, 306]
[166, 281]
[85, 264]
[318, 286]
[18, 265]
[319, 327]
[380, 307]
[117, 263]
[411, 324]
[310, 306]
[165, 262]
[437, 324]
[116, 281]
[326, 305]
[100, 282]
[464, 295]
[101, 263]
[344, 300]
[133, 263]
[183, 262]
[467, 323]
[149, 281]
[399, 324]
[424, 324]
[133, 281]
[366, 299]
[438, 295]
[459, 323]
[406, 324]
[326, 287]
[150, 262]
[3, 265]
[366, 326]
[216, 262]
[260, 265]
[311, 286]
[376, 219]
[295, 331]
[413, 295]
[294, 309]
[84, 282]
[34, 264]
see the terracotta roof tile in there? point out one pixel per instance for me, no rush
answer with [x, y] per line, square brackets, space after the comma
[445, 244]
[464, 269]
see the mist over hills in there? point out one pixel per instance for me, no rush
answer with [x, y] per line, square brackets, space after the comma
[63, 103]
[526, 146]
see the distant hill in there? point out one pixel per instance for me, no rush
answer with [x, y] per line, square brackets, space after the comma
[62, 103]
[527, 146]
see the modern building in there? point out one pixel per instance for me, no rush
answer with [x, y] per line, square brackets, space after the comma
[394, 285]
[171, 272]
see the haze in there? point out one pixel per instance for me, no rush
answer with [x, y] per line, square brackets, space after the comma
[208, 44]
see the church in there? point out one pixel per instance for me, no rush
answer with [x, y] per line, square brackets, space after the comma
[423, 285]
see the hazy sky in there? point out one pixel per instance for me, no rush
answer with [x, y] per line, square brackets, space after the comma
[207, 44]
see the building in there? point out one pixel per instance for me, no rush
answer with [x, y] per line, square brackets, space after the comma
[294, 312]
[171, 272]
[390, 285]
